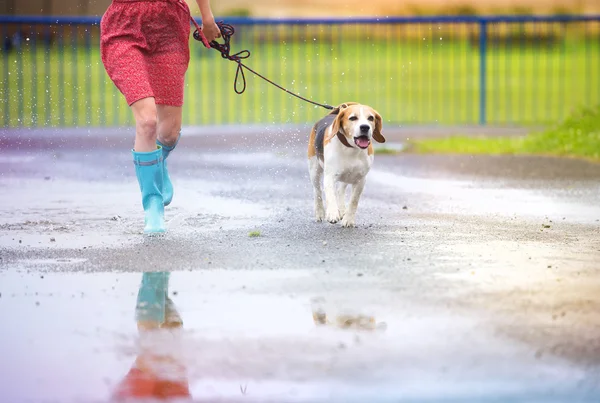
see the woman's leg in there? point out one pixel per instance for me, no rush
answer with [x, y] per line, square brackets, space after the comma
[169, 124]
[145, 114]
[168, 133]
[148, 160]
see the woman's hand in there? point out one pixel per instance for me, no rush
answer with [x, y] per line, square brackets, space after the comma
[210, 29]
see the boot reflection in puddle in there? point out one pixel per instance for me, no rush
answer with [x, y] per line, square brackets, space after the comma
[158, 371]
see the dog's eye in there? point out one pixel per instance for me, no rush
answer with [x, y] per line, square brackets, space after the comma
[353, 118]
[371, 118]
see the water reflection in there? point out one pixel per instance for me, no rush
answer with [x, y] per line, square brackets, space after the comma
[158, 371]
[343, 320]
[69, 337]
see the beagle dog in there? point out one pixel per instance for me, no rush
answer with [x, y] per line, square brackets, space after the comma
[340, 149]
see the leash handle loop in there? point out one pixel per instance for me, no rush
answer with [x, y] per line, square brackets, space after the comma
[224, 48]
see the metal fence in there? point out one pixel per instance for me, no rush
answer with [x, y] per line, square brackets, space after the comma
[431, 70]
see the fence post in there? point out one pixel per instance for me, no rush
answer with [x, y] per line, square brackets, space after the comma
[482, 70]
[6, 83]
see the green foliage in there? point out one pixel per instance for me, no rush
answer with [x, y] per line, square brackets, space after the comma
[564, 9]
[254, 234]
[237, 12]
[386, 150]
[576, 136]
[468, 145]
[455, 9]
[462, 9]
[522, 10]
[419, 10]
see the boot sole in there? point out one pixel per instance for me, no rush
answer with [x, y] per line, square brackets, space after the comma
[155, 234]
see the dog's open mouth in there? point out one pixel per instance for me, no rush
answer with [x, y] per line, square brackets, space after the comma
[362, 141]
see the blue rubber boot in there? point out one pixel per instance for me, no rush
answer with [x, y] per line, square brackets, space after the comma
[149, 171]
[151, 303]
[167, 184]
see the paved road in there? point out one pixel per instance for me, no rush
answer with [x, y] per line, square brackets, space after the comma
[481, 274]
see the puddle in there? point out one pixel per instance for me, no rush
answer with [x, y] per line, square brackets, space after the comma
[254, 160]
[322, 316]
[465, 197]
[239, 335]
[17, 159]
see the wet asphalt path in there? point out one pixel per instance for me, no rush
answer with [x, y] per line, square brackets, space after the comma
[485, 272]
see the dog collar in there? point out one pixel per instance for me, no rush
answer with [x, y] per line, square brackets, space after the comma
[343, 140]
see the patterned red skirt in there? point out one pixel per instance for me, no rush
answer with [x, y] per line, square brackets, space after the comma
[145, 48]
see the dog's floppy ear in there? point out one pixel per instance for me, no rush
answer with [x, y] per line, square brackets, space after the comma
[338, 108]
[377, 136]
[337, 122]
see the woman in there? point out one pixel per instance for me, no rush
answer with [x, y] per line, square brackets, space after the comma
[145, 50]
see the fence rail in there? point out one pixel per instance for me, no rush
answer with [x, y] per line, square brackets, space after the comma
[502, 70]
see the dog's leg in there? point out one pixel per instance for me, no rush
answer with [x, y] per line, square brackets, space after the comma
[332, 212]
[357, 190]
[341, 198]
[316, 174]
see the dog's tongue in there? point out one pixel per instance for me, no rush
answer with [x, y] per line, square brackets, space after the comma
[362, 142]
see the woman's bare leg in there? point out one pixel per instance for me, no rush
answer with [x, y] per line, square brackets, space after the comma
[146, 124]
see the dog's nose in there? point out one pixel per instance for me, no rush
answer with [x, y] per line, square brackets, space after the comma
[365, 128]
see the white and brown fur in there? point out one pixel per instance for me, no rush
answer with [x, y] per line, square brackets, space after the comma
[334, 153]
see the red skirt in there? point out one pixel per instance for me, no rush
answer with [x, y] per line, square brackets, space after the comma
[145, 48]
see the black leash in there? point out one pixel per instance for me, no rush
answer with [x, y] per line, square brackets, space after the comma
[227, 32]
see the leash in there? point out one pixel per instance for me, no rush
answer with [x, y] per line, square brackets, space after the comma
[227, 32]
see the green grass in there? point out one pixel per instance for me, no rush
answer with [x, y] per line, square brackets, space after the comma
[254, 234]
[408, 80]
[576, 136]
[386, 151]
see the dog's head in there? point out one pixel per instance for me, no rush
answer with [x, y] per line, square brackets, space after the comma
[359, 123]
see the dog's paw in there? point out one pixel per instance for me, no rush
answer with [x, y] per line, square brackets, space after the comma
[319, 211]
[319, 216]
[348, 222]
[333, 216]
